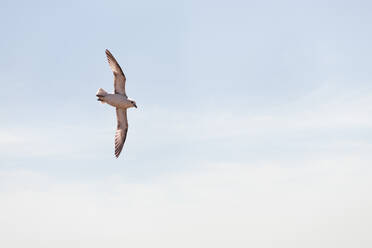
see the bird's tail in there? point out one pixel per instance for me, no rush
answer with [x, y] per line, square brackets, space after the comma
[101, 93]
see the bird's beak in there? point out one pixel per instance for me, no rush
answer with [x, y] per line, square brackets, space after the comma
[135, 105]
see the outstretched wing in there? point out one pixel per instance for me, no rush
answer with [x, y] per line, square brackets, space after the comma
[119, 77]
[121, 130]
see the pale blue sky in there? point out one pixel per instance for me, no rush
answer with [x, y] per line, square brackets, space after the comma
[278, 88]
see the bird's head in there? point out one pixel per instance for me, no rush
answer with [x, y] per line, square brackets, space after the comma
[133, 103]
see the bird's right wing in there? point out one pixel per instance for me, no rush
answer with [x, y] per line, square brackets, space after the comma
[121, 130]
[119, 77]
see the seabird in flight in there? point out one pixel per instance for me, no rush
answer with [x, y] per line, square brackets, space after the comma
[119, 100]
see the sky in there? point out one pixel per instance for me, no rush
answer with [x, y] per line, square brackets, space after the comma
[253, 125]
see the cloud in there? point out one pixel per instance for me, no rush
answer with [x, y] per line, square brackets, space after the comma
[315, 191]
[324, 111]
[319, 203]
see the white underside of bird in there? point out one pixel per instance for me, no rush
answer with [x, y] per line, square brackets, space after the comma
[119, 100]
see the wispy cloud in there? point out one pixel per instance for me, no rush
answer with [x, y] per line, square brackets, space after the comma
[326, 111]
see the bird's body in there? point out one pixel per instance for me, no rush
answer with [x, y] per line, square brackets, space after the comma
[116, 100]
[119, 100]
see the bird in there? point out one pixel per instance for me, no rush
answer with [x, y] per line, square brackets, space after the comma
[119, 100]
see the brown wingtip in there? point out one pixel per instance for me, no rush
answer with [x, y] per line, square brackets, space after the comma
[109, 56]
[117, 154]
[117, 151]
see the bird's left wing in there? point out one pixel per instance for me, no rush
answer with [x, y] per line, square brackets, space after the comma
[121, 130]
[119, 77]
